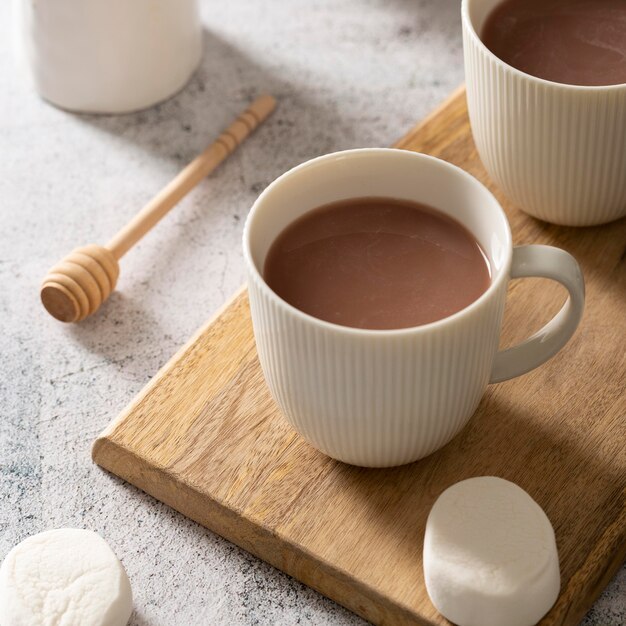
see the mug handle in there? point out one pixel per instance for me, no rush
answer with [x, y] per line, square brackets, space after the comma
[544, 262]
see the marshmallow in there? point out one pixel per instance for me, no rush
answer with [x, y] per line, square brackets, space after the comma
[490, 556]
[66, 576]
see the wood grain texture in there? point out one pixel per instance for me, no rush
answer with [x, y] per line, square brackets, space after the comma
[206, 438]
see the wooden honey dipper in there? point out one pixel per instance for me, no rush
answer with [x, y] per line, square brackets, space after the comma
[76, 286]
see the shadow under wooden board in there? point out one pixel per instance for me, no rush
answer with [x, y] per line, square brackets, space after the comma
[206, 438]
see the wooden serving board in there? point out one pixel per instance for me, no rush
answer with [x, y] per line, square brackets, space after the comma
[206, 438]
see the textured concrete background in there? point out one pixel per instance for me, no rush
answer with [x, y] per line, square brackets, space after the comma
[347, 73]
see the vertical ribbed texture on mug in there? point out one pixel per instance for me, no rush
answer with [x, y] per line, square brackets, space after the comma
[559, 152]
[375, 399]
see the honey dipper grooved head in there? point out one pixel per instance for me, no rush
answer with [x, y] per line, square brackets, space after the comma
[76, 286]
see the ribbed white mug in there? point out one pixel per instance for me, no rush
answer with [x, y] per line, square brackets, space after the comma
[386, 397]
[558, 151]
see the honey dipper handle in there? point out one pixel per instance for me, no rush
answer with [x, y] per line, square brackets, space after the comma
[184, 182]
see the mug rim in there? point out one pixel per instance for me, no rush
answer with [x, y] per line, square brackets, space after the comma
[494, 286]
[467, 20]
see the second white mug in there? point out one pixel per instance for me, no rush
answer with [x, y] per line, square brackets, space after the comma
[558, 151]
[386, 397]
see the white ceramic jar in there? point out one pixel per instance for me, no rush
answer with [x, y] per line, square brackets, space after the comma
[558, 151]
[108, 56]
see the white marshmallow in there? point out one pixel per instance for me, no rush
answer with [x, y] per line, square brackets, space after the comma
[66, 576]
[490, 556]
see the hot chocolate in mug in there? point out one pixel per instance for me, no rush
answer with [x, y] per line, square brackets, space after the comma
[557, 150]
[380, 398]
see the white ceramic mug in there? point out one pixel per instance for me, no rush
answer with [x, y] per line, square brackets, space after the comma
[108, 56]
[386, 397]
[558, 151]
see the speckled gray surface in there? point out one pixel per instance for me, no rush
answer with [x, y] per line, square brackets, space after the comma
[347, 73]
